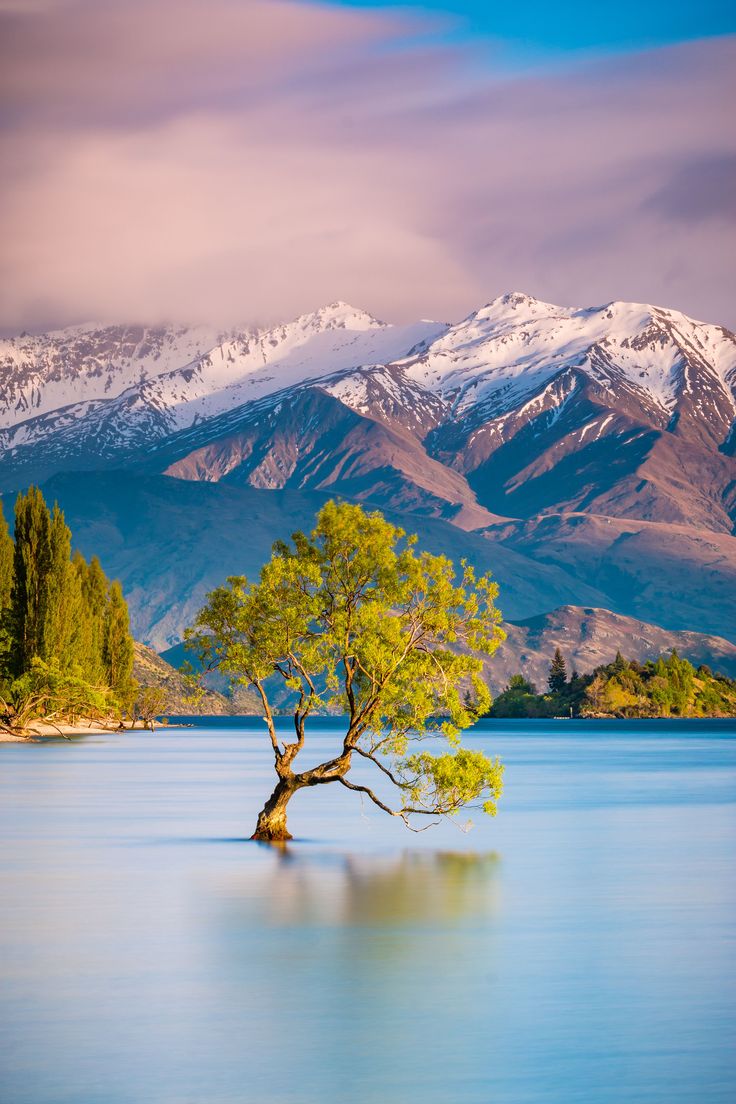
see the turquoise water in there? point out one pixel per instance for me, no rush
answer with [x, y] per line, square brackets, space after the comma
[580, 947]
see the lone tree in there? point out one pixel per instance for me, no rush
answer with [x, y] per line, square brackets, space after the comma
[557, 680]
[354, 619]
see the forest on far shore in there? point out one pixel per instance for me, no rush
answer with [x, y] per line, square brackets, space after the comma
[669, 686]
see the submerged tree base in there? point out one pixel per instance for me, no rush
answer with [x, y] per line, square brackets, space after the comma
[271, 824]
[273, 834]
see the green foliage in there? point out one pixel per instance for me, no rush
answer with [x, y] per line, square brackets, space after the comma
[117, 650]
[354, 619]
[61, 591]
[48, 693]
[28, 598]
[667, 687]
[150, 703]
[6, 562]
[58, 609]
[6, 585]
[557, 680]
[93, 598]
[517, 700]
[447, 783]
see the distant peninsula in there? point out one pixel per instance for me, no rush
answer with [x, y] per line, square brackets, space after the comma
[669, 686]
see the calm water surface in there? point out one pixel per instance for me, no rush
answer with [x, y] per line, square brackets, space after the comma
[580, 947]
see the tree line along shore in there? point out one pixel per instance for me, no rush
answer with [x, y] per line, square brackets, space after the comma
[66, 651]
[669, 686]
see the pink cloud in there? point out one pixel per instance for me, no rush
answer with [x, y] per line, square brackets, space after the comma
[247, 160]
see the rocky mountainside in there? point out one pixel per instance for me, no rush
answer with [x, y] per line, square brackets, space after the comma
[150, 670]
[523, 408]
[587, 456]
[47, 372]
[171, 541]
[82, 399]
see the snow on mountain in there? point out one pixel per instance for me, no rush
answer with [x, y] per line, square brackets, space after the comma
[246, 368]
[512, 347]
[85, 364]
[626, 409]
[99, 394]
[590, 454]
[82, 363]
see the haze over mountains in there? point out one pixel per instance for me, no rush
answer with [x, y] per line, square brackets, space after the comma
[586, 456]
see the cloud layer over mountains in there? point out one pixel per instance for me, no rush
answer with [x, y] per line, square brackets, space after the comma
[248, 160]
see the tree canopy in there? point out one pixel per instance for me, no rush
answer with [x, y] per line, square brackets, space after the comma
[61, 620]
[354, 619]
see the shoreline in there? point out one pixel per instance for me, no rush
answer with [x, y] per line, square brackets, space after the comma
[39, 730]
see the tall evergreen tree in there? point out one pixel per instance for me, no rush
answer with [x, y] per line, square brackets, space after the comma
[30, 572]
[557, 680]
[6, 586]
[62, 595]
[94, 586]
[118, 644]
[6, 562]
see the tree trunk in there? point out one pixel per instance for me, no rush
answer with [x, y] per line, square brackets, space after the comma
[271, 824]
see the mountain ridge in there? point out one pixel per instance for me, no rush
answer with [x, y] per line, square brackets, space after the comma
[465, 392]
[588, 453]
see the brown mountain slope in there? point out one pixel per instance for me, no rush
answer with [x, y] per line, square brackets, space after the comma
[171, 541]
[581, 446]
[149, 669]
[669, 575]
[575, 445]
[310, 440]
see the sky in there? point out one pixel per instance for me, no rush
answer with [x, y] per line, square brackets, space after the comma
[538, 27]
[244, 161]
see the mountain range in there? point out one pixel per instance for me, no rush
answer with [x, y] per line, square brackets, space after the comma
[585, 455]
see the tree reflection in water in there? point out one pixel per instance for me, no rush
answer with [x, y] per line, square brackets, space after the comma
[412, 888]
[343, 953]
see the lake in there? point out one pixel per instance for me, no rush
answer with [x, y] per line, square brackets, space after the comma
[579, 947]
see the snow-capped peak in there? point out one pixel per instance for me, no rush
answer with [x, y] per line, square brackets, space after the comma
[338, 315]
[130, 386]
[515, 303]
[513, 345]
[166, 380]
[42, 373]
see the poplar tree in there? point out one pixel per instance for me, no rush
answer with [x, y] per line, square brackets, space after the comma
[118, 652]
[62, 595]
[30, 573]
[64, 629]
[61, 610]
[94, 586]
[6, 562]
[6, 585]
